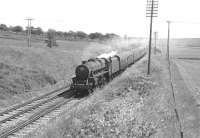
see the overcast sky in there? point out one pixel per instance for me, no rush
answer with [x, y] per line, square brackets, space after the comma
[117, 16]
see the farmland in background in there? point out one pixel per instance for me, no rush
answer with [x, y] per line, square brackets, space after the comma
[186, 54]
[182, 48]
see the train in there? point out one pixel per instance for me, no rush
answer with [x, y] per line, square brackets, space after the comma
[96, 72]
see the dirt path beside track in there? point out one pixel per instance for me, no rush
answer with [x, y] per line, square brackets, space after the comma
[186, 100]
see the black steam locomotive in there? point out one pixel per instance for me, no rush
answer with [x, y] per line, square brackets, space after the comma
[96, 72]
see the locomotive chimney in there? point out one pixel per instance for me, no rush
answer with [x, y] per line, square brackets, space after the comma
[84, 61]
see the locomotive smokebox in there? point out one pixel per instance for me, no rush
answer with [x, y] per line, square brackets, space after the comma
[82, 72]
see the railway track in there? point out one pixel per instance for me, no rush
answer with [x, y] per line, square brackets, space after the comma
[18, 106]
[19, 116]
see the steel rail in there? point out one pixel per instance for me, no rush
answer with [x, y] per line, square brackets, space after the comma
[26, 110]
[33, 118]
[17, 106]
[37, 105]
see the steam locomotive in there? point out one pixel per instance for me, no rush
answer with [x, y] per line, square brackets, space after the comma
[96, 72]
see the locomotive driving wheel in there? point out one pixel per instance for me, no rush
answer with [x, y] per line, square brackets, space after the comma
[103, 82]
[90, 91]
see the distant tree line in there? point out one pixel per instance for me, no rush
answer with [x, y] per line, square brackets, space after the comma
[18, 29]
[70, 35]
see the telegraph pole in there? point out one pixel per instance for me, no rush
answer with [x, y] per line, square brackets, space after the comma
[151, 11]
[29, 31]
[155, 37]
[168, 22]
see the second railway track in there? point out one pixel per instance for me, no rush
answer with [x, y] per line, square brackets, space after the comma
[19, 116]
[18, 106]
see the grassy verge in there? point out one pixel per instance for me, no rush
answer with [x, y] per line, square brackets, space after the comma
[132, 105]
[25, 71]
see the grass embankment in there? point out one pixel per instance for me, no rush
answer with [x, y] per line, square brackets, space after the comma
[132, 105]
[24, 69]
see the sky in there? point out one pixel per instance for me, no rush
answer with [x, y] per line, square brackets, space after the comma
[123, 17]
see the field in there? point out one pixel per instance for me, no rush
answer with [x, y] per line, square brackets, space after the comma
[185, 53]
[24, 71]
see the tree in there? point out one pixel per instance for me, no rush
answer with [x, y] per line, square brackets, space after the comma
[16, 28]
[37, 31]
[72, 35]
[96, 35]
[3, 27]
[59, 33]
[81, 35]
[51, 36]
[111, 36]
[65, 35]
